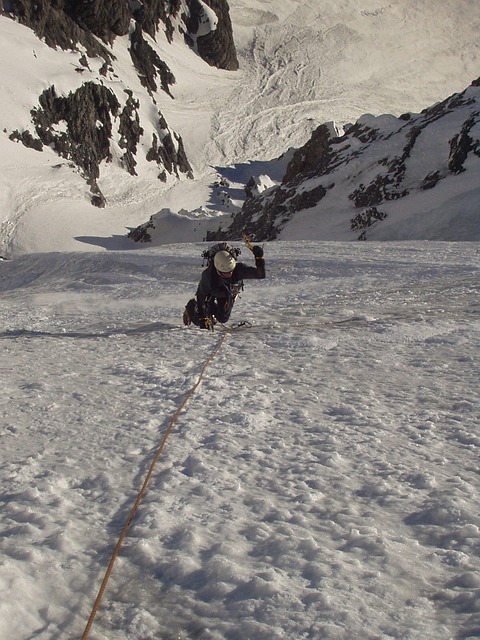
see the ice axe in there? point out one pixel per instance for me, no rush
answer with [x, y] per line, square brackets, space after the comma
[247, 241]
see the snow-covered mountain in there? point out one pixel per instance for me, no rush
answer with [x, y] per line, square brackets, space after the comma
[387, 178]
[90, 123]
[118, 104]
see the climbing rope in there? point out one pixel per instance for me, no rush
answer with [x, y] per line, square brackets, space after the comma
[143, 489]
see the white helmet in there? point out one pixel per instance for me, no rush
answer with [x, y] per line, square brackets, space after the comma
[224, 261]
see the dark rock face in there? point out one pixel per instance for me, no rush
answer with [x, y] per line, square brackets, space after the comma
[154, 13]
[366, 218]
[217, 47]
[148, 64]
[27, 140]
[50, 20]
[85, 142]
[265, 215]
[63, 23]
[170, 154]
[314, 158]
[389, 184]
[462, 144]
[431, 180]
[67, 23]
[142, 233]
[104, 18]
[130, 132]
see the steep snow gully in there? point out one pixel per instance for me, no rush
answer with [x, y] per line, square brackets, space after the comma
[322, 482]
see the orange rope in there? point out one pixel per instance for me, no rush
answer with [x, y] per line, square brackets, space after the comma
[144, 486]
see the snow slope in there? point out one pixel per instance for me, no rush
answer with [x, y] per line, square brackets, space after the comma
[301, 64]
[322, 481]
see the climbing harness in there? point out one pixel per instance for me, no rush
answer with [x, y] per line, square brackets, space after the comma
[143, 489]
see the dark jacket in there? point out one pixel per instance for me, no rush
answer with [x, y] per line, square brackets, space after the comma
[212, 286]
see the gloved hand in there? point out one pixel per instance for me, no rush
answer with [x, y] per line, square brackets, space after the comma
[257, 251]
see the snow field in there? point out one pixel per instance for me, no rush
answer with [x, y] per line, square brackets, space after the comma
[321, 482]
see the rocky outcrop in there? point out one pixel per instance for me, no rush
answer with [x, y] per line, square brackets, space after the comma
[169, 154]
[84, 138]
[69, 23]
[314, 158]
[389, 184]
[142, 233]
[265, 215]
[376, 161]
[148, 64]
[130, 132]
[156, 15]
[104, 18]
[463, 144]
[366, 218]
[217, 46]
[81, 126]
[51, 21]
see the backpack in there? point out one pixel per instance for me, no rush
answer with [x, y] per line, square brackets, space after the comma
[209, 254]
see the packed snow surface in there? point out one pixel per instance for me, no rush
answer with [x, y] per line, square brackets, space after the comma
[321, 482]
